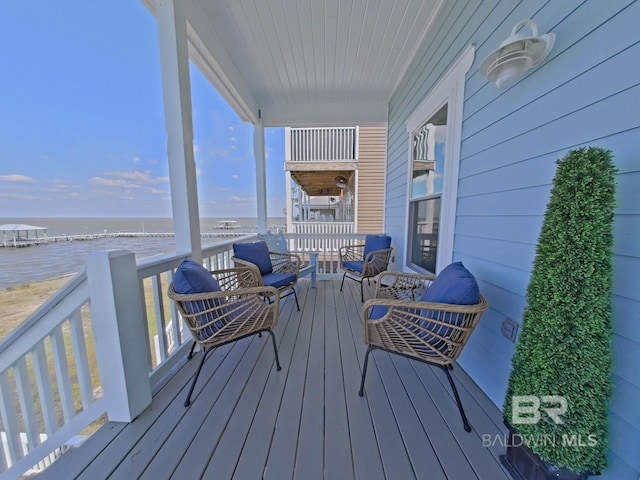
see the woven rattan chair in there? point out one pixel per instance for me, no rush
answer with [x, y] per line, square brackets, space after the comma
[278, 243]
[273, 269]
[398, 321]
[233, 310]
[366, 260]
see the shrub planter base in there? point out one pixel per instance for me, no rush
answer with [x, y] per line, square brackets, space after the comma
[523, 464]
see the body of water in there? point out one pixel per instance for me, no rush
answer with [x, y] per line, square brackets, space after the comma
[54, 259]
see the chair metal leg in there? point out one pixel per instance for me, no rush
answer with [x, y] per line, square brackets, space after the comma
[295, 296]
[275, 348]
[342, 284]
[364, 370]
[467, 427]
[362, 290]
[187, 402]
[193, 347]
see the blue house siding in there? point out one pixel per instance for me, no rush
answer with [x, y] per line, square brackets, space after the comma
[586, 93]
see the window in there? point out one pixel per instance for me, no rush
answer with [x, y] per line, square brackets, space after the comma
[428, 143]
[434, 135]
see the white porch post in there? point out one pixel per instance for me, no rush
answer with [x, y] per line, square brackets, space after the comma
[287, 186]
[119, 332]
[174, 62]
[261, 175]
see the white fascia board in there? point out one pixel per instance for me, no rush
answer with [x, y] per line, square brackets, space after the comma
[324, 114]
[207, 51]
[214, 62]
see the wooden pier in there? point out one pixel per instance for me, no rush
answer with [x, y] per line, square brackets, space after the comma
[29, 242]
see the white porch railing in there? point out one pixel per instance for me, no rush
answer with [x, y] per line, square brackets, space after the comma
[57, 381]
[333, 144]
[327, 245]
[46, 379]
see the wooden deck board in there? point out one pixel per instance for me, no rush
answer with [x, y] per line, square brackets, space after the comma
[282, 454]
[337, 444]
[364, 447]
[419, 447]
[310, 449]
[248, 420]
[252, 459]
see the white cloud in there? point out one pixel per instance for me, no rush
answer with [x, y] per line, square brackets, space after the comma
[137, 176]
[18, 196]
[126, 184]
[235, 198]
[136, 159]
[235, 177]
[196, 148]
[17, 178]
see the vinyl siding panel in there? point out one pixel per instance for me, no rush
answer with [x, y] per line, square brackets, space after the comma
[372, 154]
[586, 93]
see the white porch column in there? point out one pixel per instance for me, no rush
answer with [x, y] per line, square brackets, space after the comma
[174, 62]
[119, 332]
[289, 200]
[261, 175]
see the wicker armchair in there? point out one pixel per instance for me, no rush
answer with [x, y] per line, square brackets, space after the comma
[278, 243]
[366, 260]
[223, 308]
[399, 321]
[272, 269]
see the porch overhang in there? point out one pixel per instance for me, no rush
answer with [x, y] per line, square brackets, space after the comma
[305, 63]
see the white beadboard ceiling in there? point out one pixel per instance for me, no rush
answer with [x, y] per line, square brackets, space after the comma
[306, 62]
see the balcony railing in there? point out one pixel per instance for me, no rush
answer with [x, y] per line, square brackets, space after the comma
[322, 144]
[58, 383]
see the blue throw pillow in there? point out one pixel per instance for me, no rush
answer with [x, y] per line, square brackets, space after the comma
[191, 277]
[454, 285]
[256, 253]
[375, 242]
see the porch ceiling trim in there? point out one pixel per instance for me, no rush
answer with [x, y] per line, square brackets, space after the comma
[306, 63]
[324, 114]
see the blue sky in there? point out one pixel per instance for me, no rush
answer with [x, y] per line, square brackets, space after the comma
[82, 121]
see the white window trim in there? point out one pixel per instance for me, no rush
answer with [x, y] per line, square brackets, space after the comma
[450, 90]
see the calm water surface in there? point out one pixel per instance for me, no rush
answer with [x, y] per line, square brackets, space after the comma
[23, 265]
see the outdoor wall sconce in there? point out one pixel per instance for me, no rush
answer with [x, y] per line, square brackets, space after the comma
[517, 54]
[341, 183]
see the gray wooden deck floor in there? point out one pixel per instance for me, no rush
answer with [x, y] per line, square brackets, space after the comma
[249, 421]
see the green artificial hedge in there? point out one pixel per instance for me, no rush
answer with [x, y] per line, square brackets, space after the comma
[565, 343]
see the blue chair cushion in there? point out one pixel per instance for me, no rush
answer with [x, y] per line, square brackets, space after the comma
[377, 312]
[278, 280]
[355, 265]
[454, 285]
[375, 242]
[256, 253]
[191, 277]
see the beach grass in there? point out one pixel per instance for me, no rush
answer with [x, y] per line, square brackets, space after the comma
[20, 301]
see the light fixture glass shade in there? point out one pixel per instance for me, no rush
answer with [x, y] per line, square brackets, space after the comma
[341, 182]
[517, 54]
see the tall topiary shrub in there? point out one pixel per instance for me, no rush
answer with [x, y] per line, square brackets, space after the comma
[564, 347]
